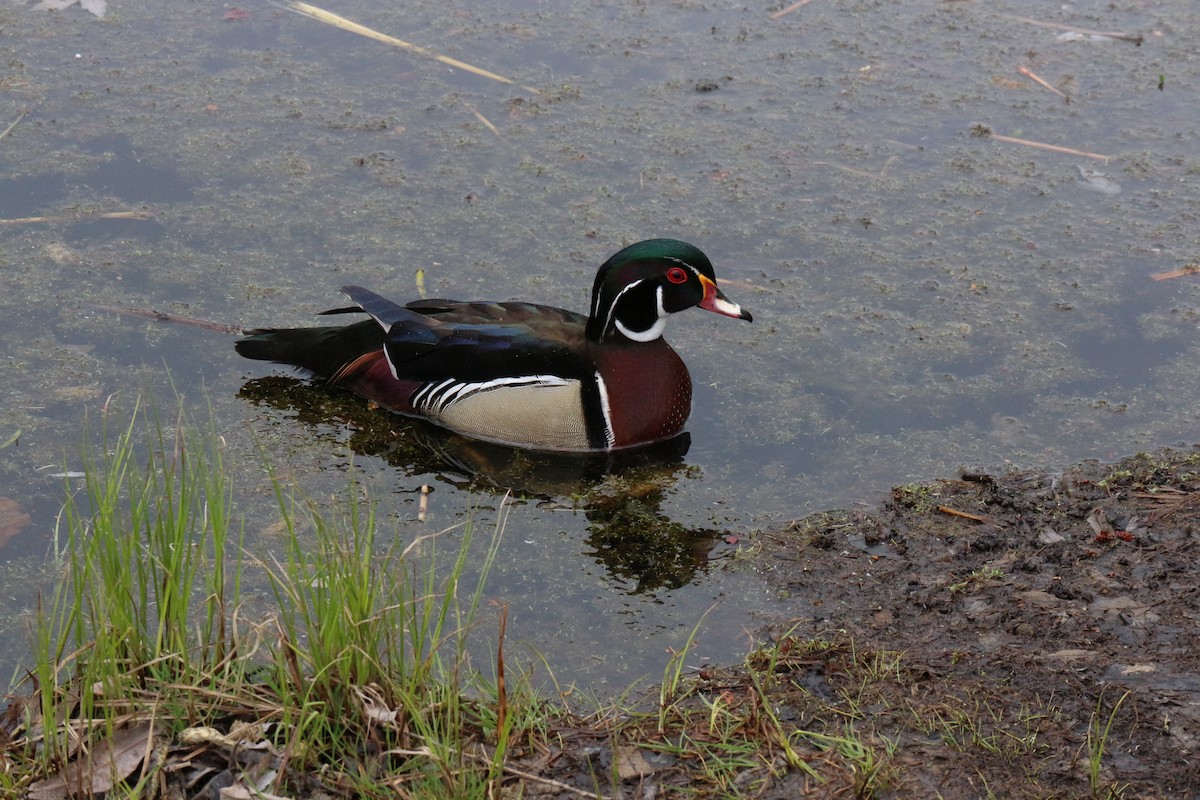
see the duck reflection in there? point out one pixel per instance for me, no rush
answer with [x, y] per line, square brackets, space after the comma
[619, 492]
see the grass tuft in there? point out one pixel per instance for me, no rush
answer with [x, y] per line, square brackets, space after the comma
[149, 655]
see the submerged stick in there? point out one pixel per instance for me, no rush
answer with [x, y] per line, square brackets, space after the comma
[1190, 269]
[330, 18]
[162, 316]
[887, 165]
[1136, 38]
[14, 124]
[423, 503]
[78, 218]
[862, 173]
[789, 9]
[1054, 148]
[1028, 73]
[487, 123]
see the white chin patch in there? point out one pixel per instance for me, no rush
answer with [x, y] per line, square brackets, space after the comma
[648, 335]
[655, 330]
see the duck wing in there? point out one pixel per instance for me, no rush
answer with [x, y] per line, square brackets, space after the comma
[428, 340]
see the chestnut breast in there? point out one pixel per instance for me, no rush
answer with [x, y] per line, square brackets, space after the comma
[648, 388]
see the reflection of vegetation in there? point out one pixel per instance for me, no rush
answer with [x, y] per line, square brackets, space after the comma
[636, 541]
[621, 493]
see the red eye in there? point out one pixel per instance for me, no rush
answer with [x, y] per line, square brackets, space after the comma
[676, 275]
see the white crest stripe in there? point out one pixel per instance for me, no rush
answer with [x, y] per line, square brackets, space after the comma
[612, 309]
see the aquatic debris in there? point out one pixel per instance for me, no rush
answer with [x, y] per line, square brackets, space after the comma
[1097, 181]
[163, 316]
[423, 508]
[983, 131]
[789, 9]
[1079, 33]
[1190, 269]
[13, 519]
[95, 7]
[1028, 73]
[1077, 36]
[8, 130]
[78, 217]
[486, 122]
[330, 18]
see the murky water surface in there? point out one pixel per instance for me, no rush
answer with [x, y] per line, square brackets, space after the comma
[926, 298]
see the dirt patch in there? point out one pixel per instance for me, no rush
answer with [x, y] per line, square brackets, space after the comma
[1025, 635]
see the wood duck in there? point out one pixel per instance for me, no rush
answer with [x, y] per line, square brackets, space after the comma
[521, 374]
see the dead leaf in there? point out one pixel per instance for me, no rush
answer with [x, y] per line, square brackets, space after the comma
[374, 705]
[632, 764]
[1134, 669]
[12, 519]
[1039, 599]
[190, 737]
[240, 791]
[1122, 602]
[110, 761]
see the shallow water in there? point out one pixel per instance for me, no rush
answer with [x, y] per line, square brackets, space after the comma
[925, 298]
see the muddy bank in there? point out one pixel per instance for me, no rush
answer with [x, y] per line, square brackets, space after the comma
[1022, 595]
[1020, 635]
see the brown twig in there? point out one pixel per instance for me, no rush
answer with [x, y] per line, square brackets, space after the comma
[1190, 269]
[79, 217]
[956, 513]
[162, 316]
[330, 18]
[862, 173]
[8, 130]
[1028, 73]
[1168, 502]
[1054, 148]
[565, 787]
[423, 503]
[789, 9]
[487, 123]
[887, 165]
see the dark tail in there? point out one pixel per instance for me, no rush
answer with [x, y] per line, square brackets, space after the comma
[321, 352]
